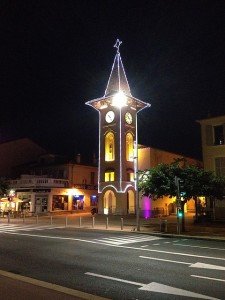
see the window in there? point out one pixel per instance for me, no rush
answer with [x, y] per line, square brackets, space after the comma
[92, 177]
[220, 166]
[130, 175]
[109, 176]
[109, 147]
[129, 147]
[218, 135]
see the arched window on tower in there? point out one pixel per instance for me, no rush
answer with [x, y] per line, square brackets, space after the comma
[129, 147]
[109, 147]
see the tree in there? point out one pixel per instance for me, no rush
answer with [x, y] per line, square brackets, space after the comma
[160, 181]
[3, 188]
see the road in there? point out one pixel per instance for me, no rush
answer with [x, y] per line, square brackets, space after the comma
[116, 265]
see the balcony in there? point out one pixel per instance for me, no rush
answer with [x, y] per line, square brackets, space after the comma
[38, 182]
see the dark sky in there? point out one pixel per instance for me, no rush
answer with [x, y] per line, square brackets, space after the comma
[56, 55]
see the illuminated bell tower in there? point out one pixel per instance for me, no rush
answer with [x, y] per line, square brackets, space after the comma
[117, 142]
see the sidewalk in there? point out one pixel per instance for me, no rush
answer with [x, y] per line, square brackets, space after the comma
[166, 226]
[13, 286]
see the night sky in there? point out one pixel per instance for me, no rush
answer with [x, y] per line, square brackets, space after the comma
[56, 55]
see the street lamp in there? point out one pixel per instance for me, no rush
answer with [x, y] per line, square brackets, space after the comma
[119, 99]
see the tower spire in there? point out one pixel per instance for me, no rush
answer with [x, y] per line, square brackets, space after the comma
[117, 45]
[117, 80]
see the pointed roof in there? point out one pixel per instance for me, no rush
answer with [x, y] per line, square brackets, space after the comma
[117, 83]
[117, 79]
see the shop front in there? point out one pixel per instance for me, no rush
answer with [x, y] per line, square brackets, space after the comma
[78, 202]
[59, 202]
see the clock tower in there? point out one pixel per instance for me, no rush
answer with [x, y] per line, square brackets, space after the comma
[117, 166]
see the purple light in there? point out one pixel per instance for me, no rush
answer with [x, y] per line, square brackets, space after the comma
[146, 207]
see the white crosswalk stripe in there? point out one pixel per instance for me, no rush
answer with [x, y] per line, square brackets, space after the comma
[4, 228]
[128, 239]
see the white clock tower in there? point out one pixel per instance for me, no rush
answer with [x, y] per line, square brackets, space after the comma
[118, 110]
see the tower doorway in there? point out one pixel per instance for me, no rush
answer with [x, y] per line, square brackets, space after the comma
[109, 202]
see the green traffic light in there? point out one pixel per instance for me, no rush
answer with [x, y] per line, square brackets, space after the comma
[180, 214]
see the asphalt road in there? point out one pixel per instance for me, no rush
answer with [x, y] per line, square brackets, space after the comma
[117, 265]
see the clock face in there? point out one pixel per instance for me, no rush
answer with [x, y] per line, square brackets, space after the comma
[109, 117]
[128, 118]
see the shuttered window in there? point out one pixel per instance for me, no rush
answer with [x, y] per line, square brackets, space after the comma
[220, 166]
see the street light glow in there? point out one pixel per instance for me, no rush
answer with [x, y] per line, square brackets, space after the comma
[119, 100]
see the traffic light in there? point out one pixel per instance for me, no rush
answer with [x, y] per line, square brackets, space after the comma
[181, 188]
[179, 213]
[180, 184]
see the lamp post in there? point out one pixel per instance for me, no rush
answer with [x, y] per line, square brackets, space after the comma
[136, 182]
[136, 186]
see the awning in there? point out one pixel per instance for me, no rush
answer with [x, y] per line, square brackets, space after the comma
[5, 199]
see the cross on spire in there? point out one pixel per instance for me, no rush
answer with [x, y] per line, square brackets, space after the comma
[117, 45]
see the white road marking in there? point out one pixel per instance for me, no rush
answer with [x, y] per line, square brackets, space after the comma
[156, 287]
[114, 278]
[192, 265]
[127, 239]
[209, 278]
[144, 246]
[201, 247]
[166, 289]
[161, 259]
[14, 227]
[166, 242]
[155, 244]
[118, 246]
[207, 266]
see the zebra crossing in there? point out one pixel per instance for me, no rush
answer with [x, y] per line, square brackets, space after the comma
[4, 228]
[127, 239]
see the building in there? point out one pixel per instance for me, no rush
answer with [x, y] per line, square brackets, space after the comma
[17, 152]
[213, 150]
[55, 183]
[117, 165]
[213, 144]
[149, 157]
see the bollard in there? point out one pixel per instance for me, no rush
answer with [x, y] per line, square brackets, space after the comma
[80, 222]
[107, 222]
[121, 223]
[8, 217]
[165, 225]
[51, 220]
[66, 222]
[160, 225]
[37, 219]
[93, 222]
[23, 217]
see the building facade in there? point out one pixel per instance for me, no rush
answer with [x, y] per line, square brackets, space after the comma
[213, 144]
[55, 186]
[213, 150]
[150, 157]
